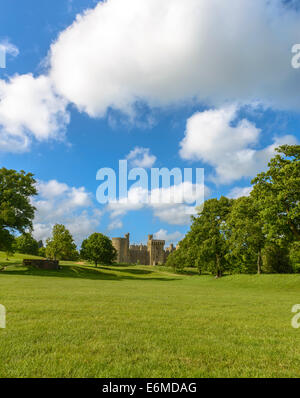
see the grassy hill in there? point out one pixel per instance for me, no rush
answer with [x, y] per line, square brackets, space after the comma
[140, 321]
[16, 258]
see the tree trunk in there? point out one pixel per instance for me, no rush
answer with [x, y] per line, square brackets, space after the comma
[259, 262]
[219, 274]
[218, 264]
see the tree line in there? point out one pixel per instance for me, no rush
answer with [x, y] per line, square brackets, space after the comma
[259, 233]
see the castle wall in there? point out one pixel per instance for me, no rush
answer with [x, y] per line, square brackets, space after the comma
[139, 255]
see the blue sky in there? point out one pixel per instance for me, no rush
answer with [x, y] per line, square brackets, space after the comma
[132, 75]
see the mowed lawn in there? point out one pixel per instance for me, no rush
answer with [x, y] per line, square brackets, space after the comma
[138, 321]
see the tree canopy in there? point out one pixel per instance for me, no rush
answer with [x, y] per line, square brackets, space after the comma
[26, 244]
[61, 245]
[16, 190]
[98, 248]
[245, 233]
[16, 210]
[205, 245]
[278, 192]
[210, 228]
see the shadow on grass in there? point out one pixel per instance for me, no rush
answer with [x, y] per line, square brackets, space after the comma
[84, 272]
[129, 270]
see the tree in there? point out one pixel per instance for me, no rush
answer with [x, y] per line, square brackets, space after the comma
[26, 244]
[177, 260]
[208, 235]
[186, 254]
[98, 248]
[16, 210]
[245, 232]
[61, 246]
[276, 259]
[7, 241]
[42, 252]
[278, 191]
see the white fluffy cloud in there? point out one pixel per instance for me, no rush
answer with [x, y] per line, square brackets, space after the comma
[115, 224]
[29, 108]
[141, 157]
[174, 214]
[51, 189]
[167, 51]
[211, 138]
[238, 192]
[58, 203]
[172, 237]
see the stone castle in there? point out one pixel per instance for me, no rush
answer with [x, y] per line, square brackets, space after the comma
[154, 253]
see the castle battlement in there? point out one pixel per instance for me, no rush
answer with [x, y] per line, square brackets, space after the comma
[138, 247]
[158, 242]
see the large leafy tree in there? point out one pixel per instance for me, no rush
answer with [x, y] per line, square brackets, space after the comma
[26, 244]
[208, 236]
[278, 192]
[98, 248]
[16, 209]
[245, 232]
[61, 245]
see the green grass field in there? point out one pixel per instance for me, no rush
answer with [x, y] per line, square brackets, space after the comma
[138, 321]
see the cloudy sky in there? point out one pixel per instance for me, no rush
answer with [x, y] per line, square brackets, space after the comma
[198, 83]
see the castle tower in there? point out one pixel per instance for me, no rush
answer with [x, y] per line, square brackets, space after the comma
[127, 244]
[122, 247]
[156, 251]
